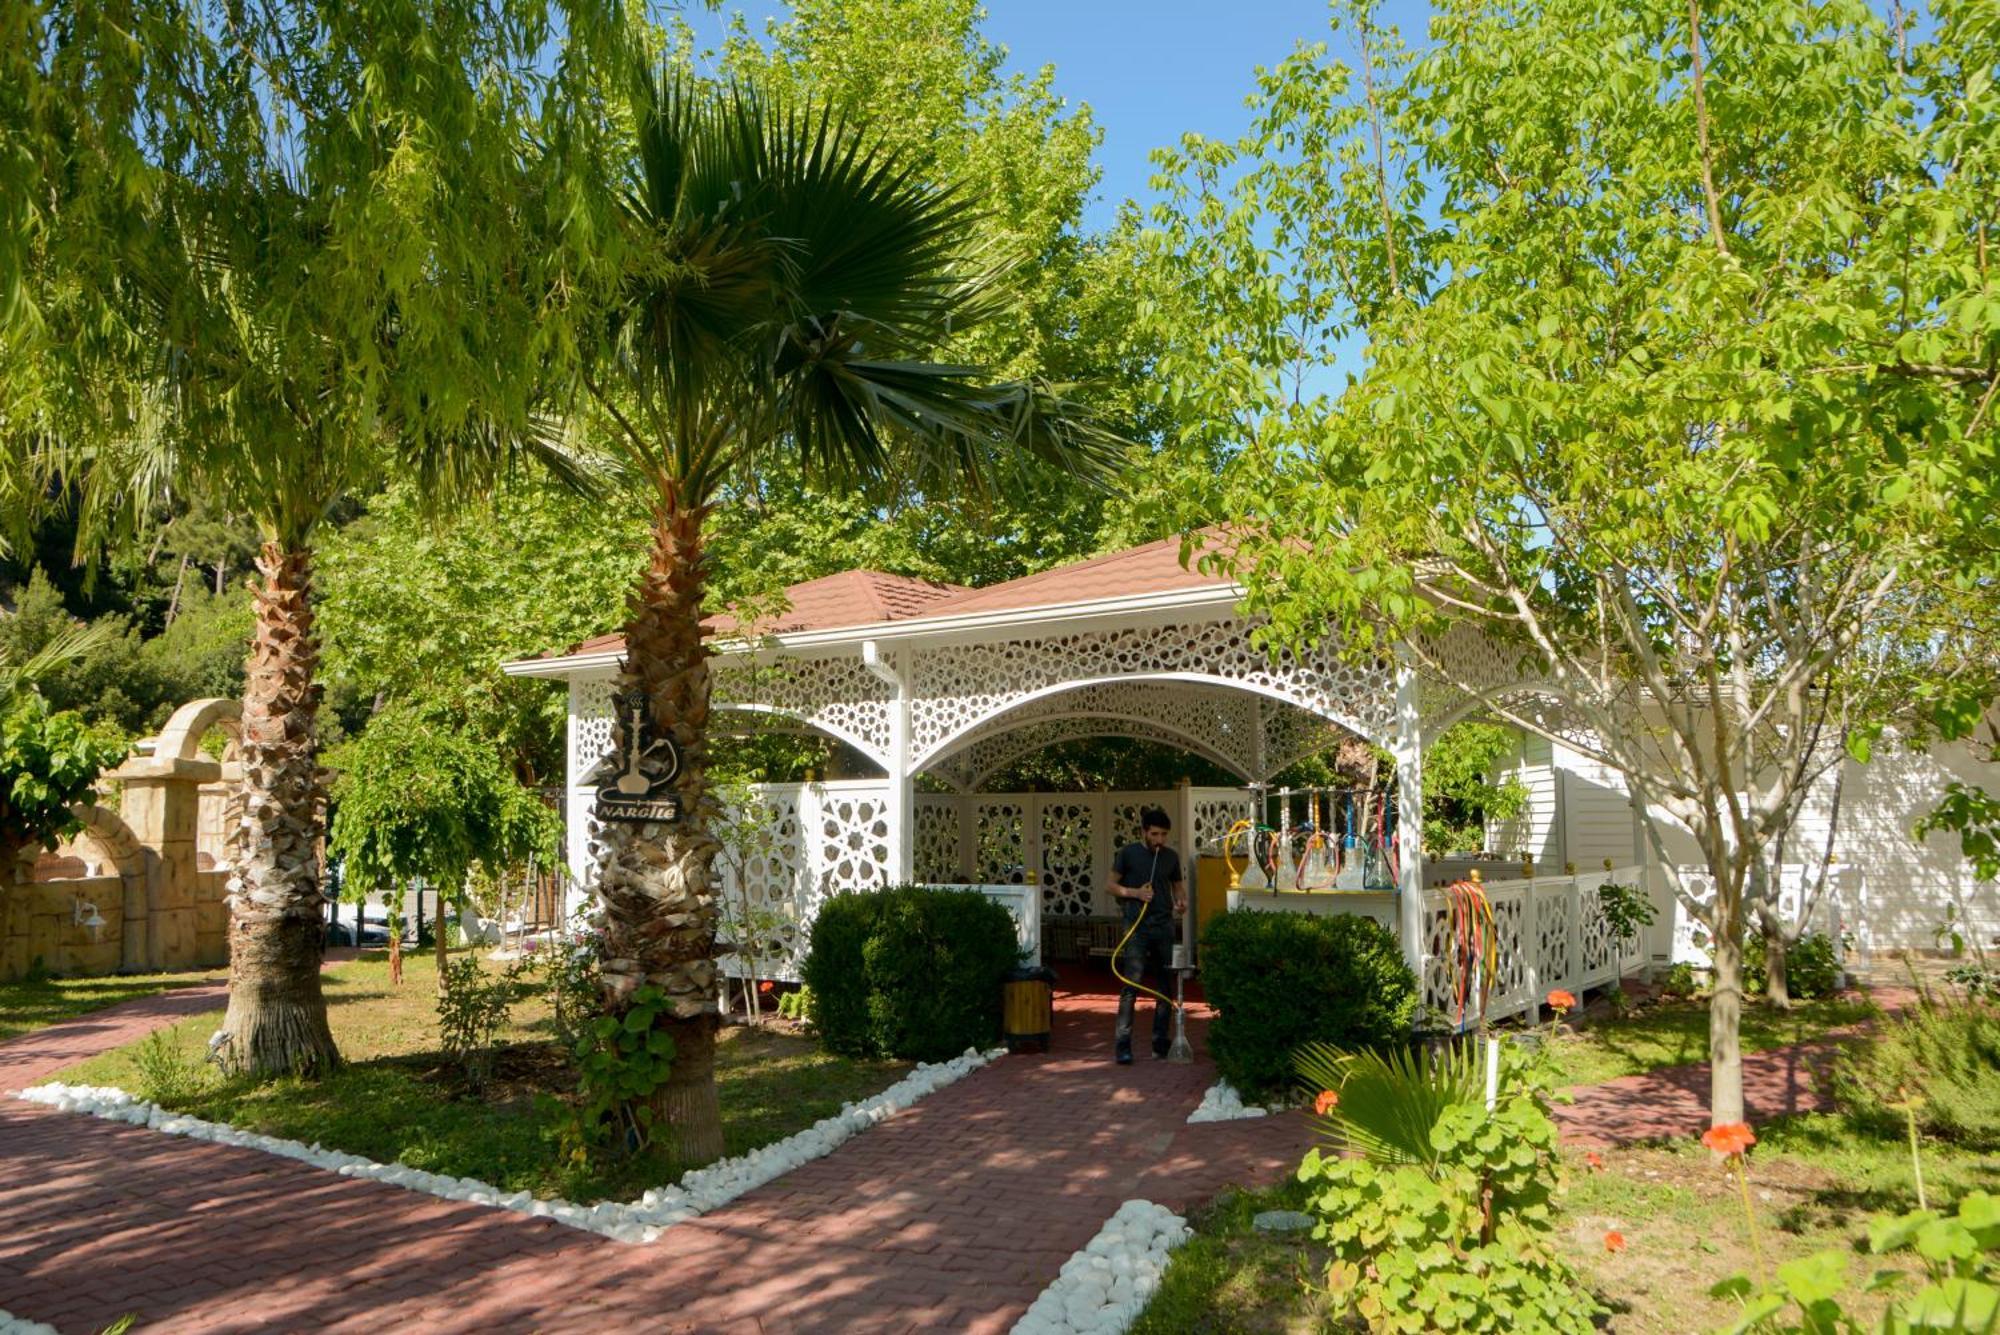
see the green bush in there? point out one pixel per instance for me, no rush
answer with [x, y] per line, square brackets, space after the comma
[1436, 1209]
[835, 971]
[911, 972]
[1280, 980]
[1947, 1053]
[1812, 966]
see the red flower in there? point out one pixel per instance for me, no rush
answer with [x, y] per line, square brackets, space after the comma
[1729, 1137]
[1595, 1160]
[1560, 1000]
[766, 988]
[1326, 1101]
[1614, 1241]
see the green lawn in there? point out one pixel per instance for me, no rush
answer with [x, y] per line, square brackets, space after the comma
[400, 1100]
[1814, 1182]
[1675, 1033]
[31, 1003]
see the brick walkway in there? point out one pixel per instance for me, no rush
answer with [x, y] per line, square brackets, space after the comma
[951, 1216]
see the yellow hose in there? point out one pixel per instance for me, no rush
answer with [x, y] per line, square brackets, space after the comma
[1132, 983]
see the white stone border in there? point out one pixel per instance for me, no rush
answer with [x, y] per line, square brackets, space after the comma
[643, 1220]
[20, 1325]
[1103, 1288]
[1221, 1103]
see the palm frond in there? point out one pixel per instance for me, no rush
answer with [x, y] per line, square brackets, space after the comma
[71, 643]
[1389, 1101]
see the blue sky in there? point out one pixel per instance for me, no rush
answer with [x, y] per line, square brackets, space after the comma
[1152, 70]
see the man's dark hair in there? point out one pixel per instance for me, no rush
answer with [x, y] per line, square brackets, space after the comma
[1152, 818]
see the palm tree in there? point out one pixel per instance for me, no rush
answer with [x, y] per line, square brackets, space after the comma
[262, 394]
[789, 285]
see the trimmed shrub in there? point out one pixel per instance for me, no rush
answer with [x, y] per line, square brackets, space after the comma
[1812, 966]
[910, 972]
[934, 967]
[1947, 1052]
[1280, 980]
[834, 970]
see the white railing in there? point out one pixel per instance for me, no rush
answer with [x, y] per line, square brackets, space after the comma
[1545, 933]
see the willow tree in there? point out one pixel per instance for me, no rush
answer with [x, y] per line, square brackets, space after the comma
[1678, 390]
[789, 284]
[269, 256]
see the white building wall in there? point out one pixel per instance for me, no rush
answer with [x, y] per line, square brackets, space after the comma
[1536, 832]
[1580, 813]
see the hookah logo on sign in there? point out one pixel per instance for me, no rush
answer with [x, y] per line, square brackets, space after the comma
[635, 782]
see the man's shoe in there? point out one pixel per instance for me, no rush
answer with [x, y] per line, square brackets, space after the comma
[1124, 1054]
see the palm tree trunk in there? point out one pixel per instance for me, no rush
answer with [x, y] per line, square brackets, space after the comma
[655, 880]
[276, 1022]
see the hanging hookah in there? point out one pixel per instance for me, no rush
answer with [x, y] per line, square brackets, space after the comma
[1349, 875]
[1316, 869]
[1284, 871]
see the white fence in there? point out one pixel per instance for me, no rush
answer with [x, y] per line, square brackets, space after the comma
[1546, 933]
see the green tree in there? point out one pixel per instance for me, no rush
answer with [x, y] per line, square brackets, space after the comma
[788, 282]
[287, 254]
[417, 798]
[1680, 344]
[49, 758]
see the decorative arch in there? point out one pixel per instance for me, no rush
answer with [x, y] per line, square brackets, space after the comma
[1224, 688]
[181, 738]
[958, 688]
[970, 766]
[772, 718]
[107, 831]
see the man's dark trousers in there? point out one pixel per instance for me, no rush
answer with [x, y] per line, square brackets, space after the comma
[1147, 958]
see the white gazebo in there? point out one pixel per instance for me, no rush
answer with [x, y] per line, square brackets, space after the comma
[954, 684]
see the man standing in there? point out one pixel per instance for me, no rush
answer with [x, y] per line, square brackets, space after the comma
[1146, 881]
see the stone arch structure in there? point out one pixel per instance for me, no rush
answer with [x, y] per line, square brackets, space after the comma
[182, 737]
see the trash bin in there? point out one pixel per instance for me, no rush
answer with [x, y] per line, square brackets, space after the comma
[1028, 1007]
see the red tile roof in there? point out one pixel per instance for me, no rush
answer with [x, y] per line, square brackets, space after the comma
[866, 597]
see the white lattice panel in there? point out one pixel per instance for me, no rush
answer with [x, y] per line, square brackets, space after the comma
[1551, 933]
[590, 727]
[851, 833]
[1068, 840]
[1000, 848]
[957, 688]
[935, 850]
[1600, 961]
[762, 870]
[837, 695]
[1555, 920]
[1215, 810]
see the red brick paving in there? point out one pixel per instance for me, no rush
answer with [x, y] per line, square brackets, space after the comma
[950, 1216]
[953, 1215]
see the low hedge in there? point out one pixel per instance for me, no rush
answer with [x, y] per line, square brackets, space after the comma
[911, 972]
[1282, 979]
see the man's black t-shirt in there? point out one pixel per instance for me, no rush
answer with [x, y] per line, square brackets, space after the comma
[1137, 865]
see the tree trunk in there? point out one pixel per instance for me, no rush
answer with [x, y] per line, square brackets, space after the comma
[1777, 990]
[1725, 1005]
[276, 1023]
[655, 879]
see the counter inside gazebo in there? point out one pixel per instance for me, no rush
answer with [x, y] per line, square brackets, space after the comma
[951, 685]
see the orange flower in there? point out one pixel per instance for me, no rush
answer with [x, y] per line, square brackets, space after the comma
[1595, 1160]
[767, 987]
[1559, 1000]
[1729, 1137]
[1326, 1101]
[1614, 1241]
